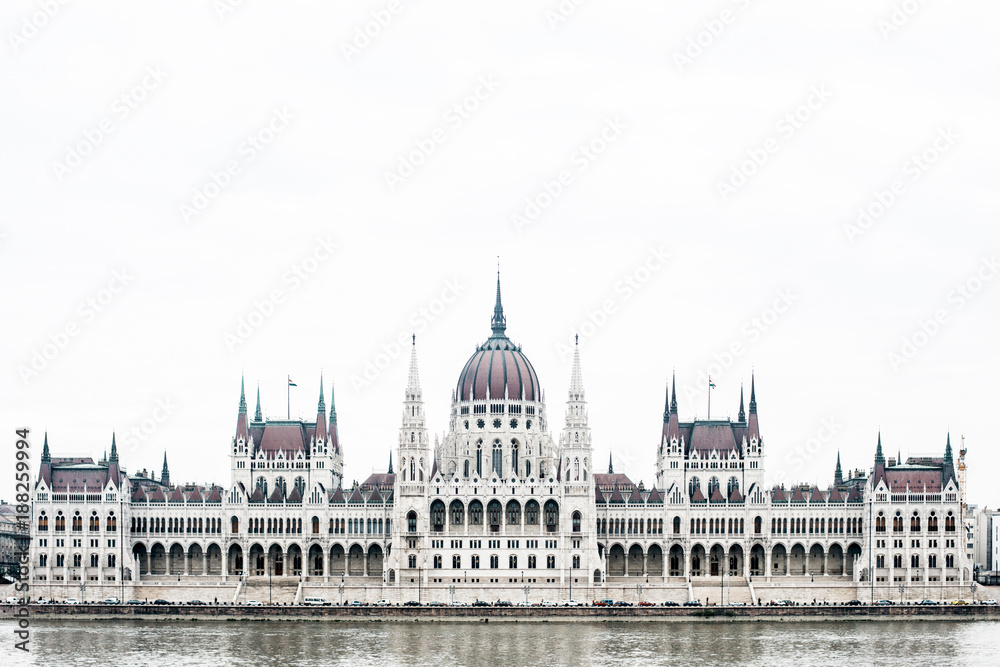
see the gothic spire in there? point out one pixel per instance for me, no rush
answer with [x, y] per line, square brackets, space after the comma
[321, 408]
[743, 414]
[46, 457]
[879, 457]
[753, 396]
[666, 406]
[576, 379]
[165, 473]
[413, 383]
[257, 416]
[114, 449]
[673, 395]
[243, 398]
[499, 322]
[838, 474]
[611, 465]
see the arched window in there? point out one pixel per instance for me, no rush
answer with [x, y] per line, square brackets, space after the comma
[531, 513]
[420, 471]
[493, 511]
[513, 513]
[527, 468]
[576, 522]
[457, 513]
[513, 562]
[677, 525]
[475, 513]
[514, 449]
[411, 522]
[551, 516]
[466, 469]
[413, 469]
[437, 516]
[43, 522]
[479, 458]
[497, 458]
[315, 525]
[693, 483]
[576, 470]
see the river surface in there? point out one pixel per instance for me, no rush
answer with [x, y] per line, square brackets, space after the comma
[257, 643]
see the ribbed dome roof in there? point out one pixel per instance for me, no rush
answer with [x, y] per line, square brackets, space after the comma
[498, 369]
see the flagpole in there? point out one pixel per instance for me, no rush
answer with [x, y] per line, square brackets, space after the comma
[709, 398]
[288, 391]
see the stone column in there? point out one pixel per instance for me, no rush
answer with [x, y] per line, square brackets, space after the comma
[826, 570]
[326, 566]
[767, 565]
[205, 571]
[187, 562]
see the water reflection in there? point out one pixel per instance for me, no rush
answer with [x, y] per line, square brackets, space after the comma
[473, 644]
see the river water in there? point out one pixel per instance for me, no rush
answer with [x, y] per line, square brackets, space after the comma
[256, 643]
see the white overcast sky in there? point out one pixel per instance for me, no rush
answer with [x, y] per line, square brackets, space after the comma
[94, 186]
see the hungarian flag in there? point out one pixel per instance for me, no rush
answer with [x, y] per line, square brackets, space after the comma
[290, 383]
[710, 383]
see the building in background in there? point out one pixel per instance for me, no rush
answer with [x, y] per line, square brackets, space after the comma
[14, 540]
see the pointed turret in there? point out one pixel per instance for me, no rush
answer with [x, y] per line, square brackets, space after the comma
[753, 427]
[413, 381]
[666, 406]
[257, 416]
[611, 465]
[390, 463]
[948, 465]
[242, 428]
[499, 322]
[165, 473]
[332, 433]
[114, 470]
[672, 429]
[838, 474]
[879, 473]
[45, 468]
[743, 414]
[576, 377]
[321, 414]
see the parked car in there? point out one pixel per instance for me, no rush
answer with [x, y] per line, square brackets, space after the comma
[71, 601]
[356, 603]
[411, 603]
[960, 602]
[477, 603]
[254, 603]
[319, 602]
[382, 603]
[671, 603]
[693, 603]
[195, 602]
[43, 601]
[523, 603]
[603, 603]
[458, 603]
[854, 603]
[737, 604]
[572, 603]
[927, 602]
[549, 603]
[990, 602]
[623, 603]
[13, 599]
[504, 603]
[646, 603]
[432, 603]
[785, 603]
[884, 603]
[134, 602]
[111, 600]
[165, 602]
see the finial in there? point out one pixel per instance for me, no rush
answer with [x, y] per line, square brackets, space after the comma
[321, 408]
[743, 415]
[243, 398]
[257, 415]
[499, 322]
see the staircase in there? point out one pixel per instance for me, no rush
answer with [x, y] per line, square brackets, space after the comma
[736, 589]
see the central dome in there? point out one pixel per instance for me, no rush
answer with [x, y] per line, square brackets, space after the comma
[498, 369]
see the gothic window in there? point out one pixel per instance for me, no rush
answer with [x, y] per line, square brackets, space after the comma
[576, 470]
[493, 512]
[551, 516]
[413, 469]
[411, 522]
[475, 513]
[713, 484]
[532, 562]
[576, 522]
[514, 458]
[527, 468]
[479, 459]
[457, 513]
[513, 423]
[497, 423]
[531, 513]
[475, 562]
[437, 516]
[677, 525]
[512, 562]
[466, 468]
[693, 483]
[494, 562]
[480, 423]
[513, 513]
[497, 458]
[585, 466]
[437, 562]
[412, 561]
[550, 562]
[420, 471]
[456, 562]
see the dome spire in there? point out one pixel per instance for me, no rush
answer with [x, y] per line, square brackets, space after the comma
[499, 322]
[743, 414]
[576, 379]
[256, 415]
